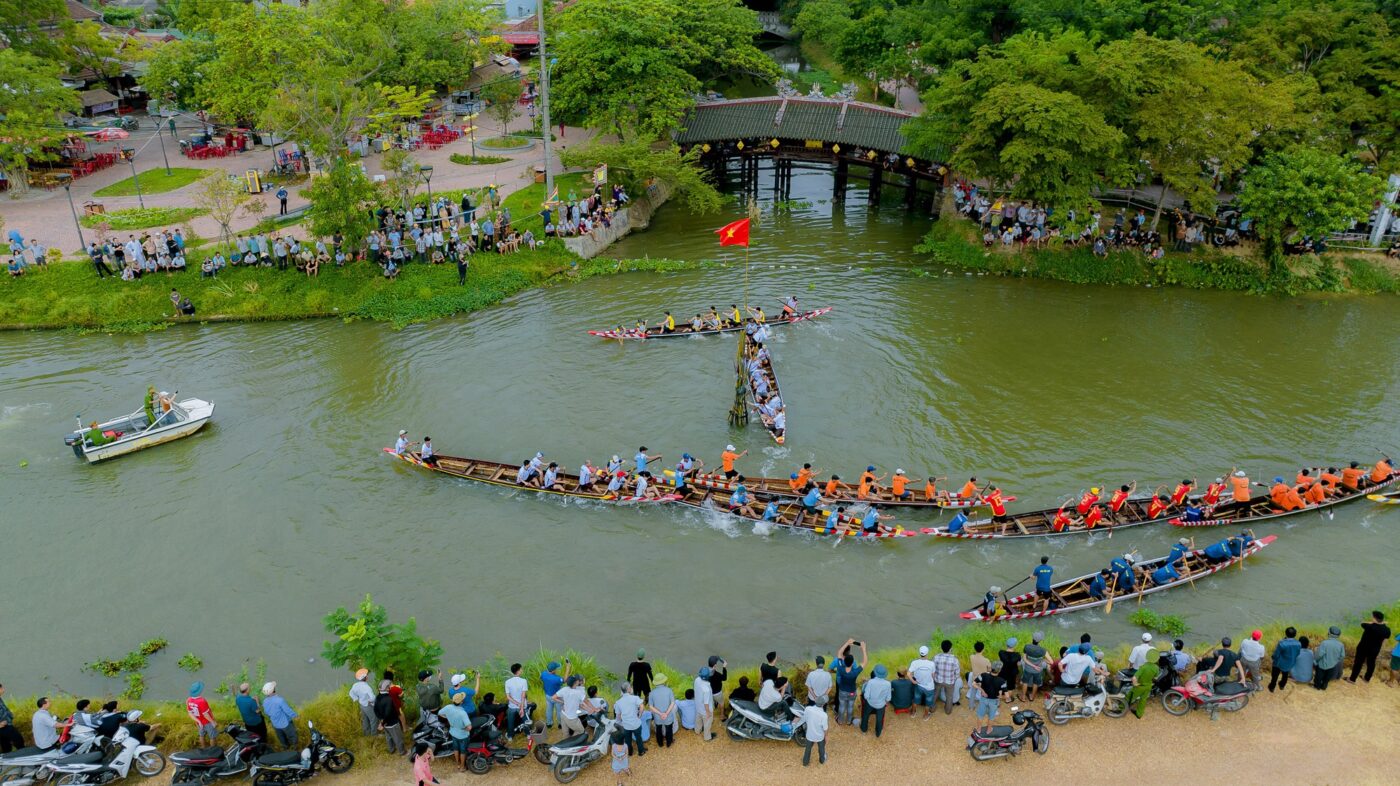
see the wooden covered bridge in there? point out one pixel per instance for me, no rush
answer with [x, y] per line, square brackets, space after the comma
[860, 140]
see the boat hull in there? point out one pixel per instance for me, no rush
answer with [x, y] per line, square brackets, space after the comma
[200, 414]
[654, 331]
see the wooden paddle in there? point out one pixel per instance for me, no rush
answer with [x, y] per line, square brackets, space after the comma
[1112, 585]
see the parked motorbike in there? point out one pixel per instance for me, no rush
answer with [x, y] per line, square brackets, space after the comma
[26, 766]
[206, 765]
[1197, 694]
[748, 722]
[278, 769]
[485, 747]
[1000, 741]
[432, 732]
[100, 766]
[1067, 702]
[569, 756]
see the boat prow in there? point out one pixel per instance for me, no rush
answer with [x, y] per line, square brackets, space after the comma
[1385, 499]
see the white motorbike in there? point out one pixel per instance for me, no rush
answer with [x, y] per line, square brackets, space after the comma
[1067, 702]
[569, 756]
[748, 722]
[96, 767]
[25, 767]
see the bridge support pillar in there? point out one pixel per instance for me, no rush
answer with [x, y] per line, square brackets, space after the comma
[911, 192]
[876, 173]
[838, 191]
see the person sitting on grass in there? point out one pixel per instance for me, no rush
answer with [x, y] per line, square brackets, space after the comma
[16, 268]
[177, 262]
[206, 268]
[313, 265]
[391, 270]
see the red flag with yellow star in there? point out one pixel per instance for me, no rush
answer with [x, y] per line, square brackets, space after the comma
[735, 234]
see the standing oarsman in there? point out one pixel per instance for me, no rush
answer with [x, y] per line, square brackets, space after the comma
[1044, 576]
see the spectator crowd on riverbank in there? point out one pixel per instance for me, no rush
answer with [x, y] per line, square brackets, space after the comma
[651, 704]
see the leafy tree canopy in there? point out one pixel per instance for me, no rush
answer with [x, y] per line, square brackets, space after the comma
[1305, 190]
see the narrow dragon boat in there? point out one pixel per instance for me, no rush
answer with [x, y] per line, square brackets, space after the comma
[658, 331]
[1073, 595]
[1040, 523]
[497, 474]
[791, 515]
[766, 367]
[1263, 508]
[782, 487]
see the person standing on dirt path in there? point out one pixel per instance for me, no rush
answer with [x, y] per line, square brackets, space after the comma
[1374, 635]
[282, 201]
[814, 728]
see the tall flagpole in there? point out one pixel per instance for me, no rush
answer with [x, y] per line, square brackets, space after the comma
[544, 107]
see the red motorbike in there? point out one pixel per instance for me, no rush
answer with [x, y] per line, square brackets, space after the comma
[1197, 694]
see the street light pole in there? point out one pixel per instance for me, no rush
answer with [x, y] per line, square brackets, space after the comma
[67, 190]
[131, 159]
[161, 139]
[471, 131]
[544, 104]
[427, 173]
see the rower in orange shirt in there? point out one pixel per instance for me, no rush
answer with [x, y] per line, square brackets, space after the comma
[969, 489]
[1090, 499]
[931, 491]
[898, 484]
[1305, 478]
[834, 488]
[1352, 475]
[1120, 498]
[868, 483]
[1240, 484]
[1284, 496]
[1382, 471]
[795, 483]
[1330, 480]
[727, 459]
[1157, 506]
[1093, 517]
[1213, 492]
[1182, 492]
[1315, 494]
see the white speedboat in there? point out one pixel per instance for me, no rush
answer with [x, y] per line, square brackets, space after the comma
[174, 420]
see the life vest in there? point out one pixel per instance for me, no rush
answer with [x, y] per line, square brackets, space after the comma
[1115, 504]
[1182, 491]
[1093, 517]
[1087, 501]
[1241, 489]
[1213, 492]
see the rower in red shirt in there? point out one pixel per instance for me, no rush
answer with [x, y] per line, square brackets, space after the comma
[994, 500]
[1090, 499]
[1213, 492]
[1093, 517]
[1157, 506]
[1062, 520]
[1120, 498]
[1182, 492]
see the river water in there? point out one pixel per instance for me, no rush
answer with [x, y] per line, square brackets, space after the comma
[234, 543]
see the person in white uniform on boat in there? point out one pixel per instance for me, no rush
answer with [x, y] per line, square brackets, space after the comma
[426, 452]
[401, 444]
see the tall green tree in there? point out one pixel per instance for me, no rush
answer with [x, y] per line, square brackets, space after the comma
[633, 68]
[1307, 191]
[436, 42]
[503, 95]
[1190, 117]
[32, 97]
[23, 23]
[637, 163]
[368, 640]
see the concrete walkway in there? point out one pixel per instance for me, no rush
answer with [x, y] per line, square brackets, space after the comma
[45, 215]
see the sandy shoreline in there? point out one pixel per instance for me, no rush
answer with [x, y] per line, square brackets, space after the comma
[1345, 735]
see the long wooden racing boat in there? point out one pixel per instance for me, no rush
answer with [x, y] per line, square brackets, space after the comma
[781, 487]
[791, 515]
[1263, 509]
[498, 474]
[657, 331]
[766, 367]
[1073, 595]
[1038, 523]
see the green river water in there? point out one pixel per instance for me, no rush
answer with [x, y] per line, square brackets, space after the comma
[234, 543]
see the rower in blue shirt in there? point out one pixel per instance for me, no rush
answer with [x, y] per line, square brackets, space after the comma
[1218, 552]
[1043, 574]
[1179, 551]
[1165, 575]
[770, 513]
[870, 522]
[811, 499]
[642, 459]
[1122, 568]
[1098, 585]
[1239, 543]
[1193, 511]
[955, 524]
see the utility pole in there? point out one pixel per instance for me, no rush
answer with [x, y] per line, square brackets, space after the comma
[544, 105]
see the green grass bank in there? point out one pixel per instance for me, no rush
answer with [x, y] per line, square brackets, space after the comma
[955, 242]
[69, 294]
[338, 717]
[154, 181]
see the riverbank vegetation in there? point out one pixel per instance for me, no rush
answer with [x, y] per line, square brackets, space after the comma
[69, 294]
[954, 242]
[141, 217]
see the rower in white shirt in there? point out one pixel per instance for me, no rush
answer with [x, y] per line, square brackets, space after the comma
[401, 444]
